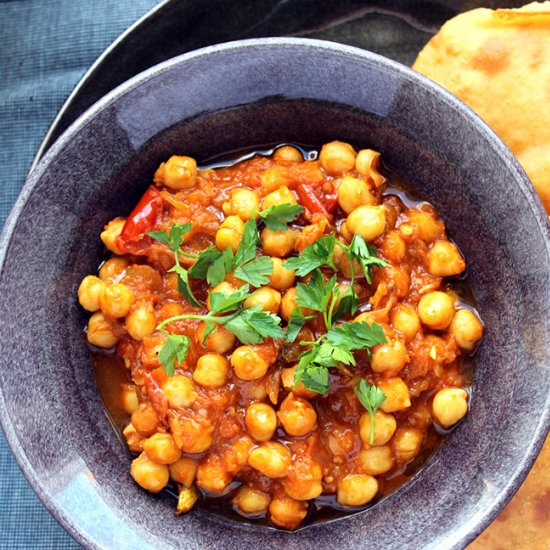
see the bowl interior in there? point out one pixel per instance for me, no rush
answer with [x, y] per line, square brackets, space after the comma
[224, 99]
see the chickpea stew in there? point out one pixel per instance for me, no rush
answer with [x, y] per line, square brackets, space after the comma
[292, 331]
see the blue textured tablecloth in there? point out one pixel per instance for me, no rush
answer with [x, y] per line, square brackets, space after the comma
[45, 48]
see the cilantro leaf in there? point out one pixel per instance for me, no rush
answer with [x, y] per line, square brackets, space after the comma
[174, 238]
[314, 378]
[220, 267]
[184, 287]
[249, 242]
[371, 397]
[277, 216]
[252, 325]
[205, 259]
[366, 255]
[173, 352]
[295, 323]
[313, 256]
[224, 303]
[353, 336]
[255, 272]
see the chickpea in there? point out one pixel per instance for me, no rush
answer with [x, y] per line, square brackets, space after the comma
[243, 203]
[145, 420]
[425, 226]
[89, 291]
[346, 234]
[288, 304]
[115, 301]
[303, 481]
[211, 370]
[343, 264]
[405, 320]
[220, 340]
[271, 459]
[129, 398]
[177, 173]
[148, 474]
[222, 288]
[100, 332]
[113, 269]
[397, 395]
[282, 195]
[248, 364]
[466, 328]
[141, 321]
[183, 471]
[251, 501]
[286, 512]
[436, 310]
[274, 177]
[367, 164]
[367, 221]
[393, 247]
[180, 391]
[376, 461]
[297, 416]
[352, 193]
[191, 435]
[261, 421]
[287, 153]
[161, 448]
[110, 234]
[236, 456]
[278, 243]
[384, 427]
[230, 233]
[449, 406]
[211, 475]
[266, 297]
[281, 278]
[287, 378]
[356, 490]
[445, 260]
[133, 438]
[391, 356]
[337, 157]
[406, 443]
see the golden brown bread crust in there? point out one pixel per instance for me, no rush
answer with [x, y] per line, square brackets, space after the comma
[498, 62]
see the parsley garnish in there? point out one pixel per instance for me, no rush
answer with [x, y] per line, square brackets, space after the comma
[276, 217]
[295, 323]
[319, 253]
[371, 397]
[366, 255]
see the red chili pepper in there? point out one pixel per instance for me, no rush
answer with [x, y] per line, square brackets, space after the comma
[313, 203]
[142, 218]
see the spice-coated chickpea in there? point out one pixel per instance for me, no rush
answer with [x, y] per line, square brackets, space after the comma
[191, 435]
[211, 370]
[161, 448]
[115, 300]
[352, 193]
[278, 243]
[304, 478]
[288, 304]
[248, 364]
[391, 356]
[261, 421]
[281, 278]
[337, 157]
[376, 461]
[356, 490]
[148, 474]
[141, 321]
[145, 420]
[367, 164]
[393, 246]
[89, 291]
[243, 203]
[274, 177]
[466, 328]
[425, 226]
[397, 395]
[406, 444]
[100, 332]
[405, 320]
[110, 234]
[251, 501]
[384, 427]
[282, 195]
[272, 459]
[449, 406]
[445, 260]
[230, 233]
[220, 340]
[436, 310]
[133, 438]
[183, 471]
[178, 172]
[129, 398]
[179, 390]
[268, 298]
[113, 269]
[286, 512]
[287, 153]
[297, 416]
[211, 474]
[367, 221]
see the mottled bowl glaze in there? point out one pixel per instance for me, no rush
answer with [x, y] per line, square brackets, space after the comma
[217, 100]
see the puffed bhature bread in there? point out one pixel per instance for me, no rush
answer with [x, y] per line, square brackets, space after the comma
[498, 63]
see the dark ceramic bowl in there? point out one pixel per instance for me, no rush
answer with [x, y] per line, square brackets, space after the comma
[217, 100]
